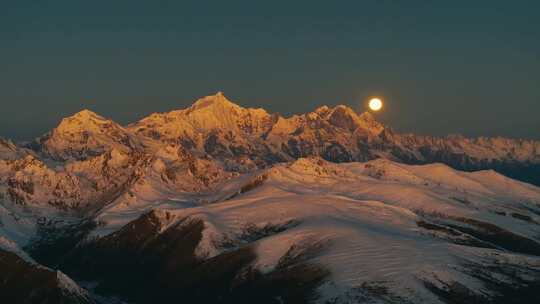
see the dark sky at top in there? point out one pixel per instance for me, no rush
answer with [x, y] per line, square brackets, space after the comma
[470, 67]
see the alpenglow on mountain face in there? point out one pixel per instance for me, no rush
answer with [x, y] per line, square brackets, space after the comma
[218, 203]
[245, 139]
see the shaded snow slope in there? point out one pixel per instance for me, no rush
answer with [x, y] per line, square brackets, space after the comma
[25, 281]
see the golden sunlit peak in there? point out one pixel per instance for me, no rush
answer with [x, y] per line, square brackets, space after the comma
[375, 104]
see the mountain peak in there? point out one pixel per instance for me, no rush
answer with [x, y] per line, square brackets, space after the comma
[344, 109]
[369, 122]
[216, 100]
[367, 116]
[84, 134]
[85, 113]
[83, 120]
[344, 117]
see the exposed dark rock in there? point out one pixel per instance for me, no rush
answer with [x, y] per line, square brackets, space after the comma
[500, 291]
[483, 234]
[498, 236]
[24, 282]
[143, 264]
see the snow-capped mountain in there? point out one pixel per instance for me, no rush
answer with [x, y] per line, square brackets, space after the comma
[253, 138]
[83, 135]
[220, 203]
[210, 113]
[245, 139]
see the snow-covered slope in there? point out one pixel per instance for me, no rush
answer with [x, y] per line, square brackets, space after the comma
[30, 181]
[410, 232]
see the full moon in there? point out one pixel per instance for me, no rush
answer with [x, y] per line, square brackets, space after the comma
[375, 104]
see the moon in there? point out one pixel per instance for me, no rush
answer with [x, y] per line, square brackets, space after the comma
[375, 104]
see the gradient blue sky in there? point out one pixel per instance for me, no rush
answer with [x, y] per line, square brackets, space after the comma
[470, 67]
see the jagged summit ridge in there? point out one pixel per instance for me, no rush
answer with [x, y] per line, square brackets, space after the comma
[248, 138]
[216, 100]
[207, 114]
[86, 113]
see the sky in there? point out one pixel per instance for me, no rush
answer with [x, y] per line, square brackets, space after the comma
[442, 67]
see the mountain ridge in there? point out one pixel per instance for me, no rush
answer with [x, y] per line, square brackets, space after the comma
[226, 131]
[226, 203]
